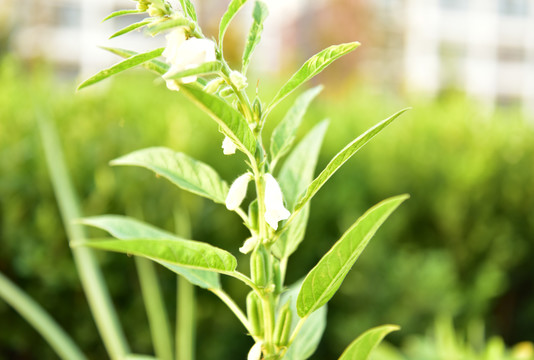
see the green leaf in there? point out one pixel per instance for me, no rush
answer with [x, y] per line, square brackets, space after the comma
[310, 333]
[342, 157]
[189, 9]
[182, 170]
[259, 14]
[284, 134]
[233, 8]
[168, 23]
[121, 13]
[361, 348]
[230, 120]
[125, 228]
[154, 65]
[325, 278]
[203, 69]
[312, 67]
[295, 175]
[123, 65]
[131, 27]
[187, 253]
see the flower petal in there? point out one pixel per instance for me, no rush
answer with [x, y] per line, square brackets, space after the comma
[274, 202]
[228, 146]
[237, 192]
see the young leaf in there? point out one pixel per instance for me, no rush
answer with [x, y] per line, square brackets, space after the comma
[312, 67]
[123, 65]
[295, 175]
[121, 13]
[167, 24]
[186, 253]
[259, 14]
[189, 9]
[182, 170]
[342, 157]
[131, 27]
[159, 67]
[203, 69]
[284, 134]
[233, 8]
[325, 278]
[310, 333]
[124, 228]
[361, 348]
[230, 120]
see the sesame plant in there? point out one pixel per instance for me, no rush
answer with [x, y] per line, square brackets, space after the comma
[285, 321]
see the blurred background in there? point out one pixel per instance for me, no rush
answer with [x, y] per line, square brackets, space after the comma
[454, 262]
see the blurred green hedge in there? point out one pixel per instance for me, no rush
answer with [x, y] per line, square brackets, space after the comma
[462, 245]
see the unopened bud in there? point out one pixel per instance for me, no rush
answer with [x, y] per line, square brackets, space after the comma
[238, 79]
[213, 85]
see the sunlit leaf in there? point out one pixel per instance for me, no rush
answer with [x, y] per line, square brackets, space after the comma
[312, 67]
[124, 228]
[131, 27]
[285, 132]
[342, 157]
[230, 120]
[123, 65]
[259, 14]
[310, 333]
[324, 279]
[233, 8]
[154, 65]
[361, 348]
[166, 24]
[189, 9]
[121, 13]
[182, 170]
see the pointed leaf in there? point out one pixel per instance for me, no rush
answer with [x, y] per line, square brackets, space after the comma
[124, 228]
[310, 333]
[284, 134]
[121, 13]
[154, 65]
[230, 120]
[294, 177]
[189, 9]
[312, 67]
[259, 14]
[361, 348]
[186, 253]
[342, 157]
[123, 65]
[325, 278]
[168, 23]
[182, 170]
[233, 8]
[203, 69]
[131, 27]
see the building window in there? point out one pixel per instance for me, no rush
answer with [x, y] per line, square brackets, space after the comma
[514, 7]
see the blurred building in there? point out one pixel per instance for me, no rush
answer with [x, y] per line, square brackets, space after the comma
[483, 47]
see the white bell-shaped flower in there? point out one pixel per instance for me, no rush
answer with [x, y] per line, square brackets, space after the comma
[237, 192]
[228, 146]
[175, 39]
[274, 202]
[249, 245]
[188, 55]
[255, 351]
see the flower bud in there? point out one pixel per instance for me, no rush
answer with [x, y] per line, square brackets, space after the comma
[238, 79]
[142, 5]
[274, 202]
[255, 314]
[237, 191]
[249, 245]
[228, 146]
[256, 106]
[213, 85]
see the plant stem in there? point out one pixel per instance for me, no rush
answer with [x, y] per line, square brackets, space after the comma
[233, 306]
[185, 322]
[58, 339]
[155, 308]
[89, 271]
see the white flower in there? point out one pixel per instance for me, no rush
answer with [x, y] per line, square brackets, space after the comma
[249, 245]
[274, 202]
[172, 85]
[237, 191]
[255, 351]
[228, 146]
[184, 54]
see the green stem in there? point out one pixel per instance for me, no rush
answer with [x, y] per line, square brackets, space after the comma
[89, 271]
[296, 331]
[58, 339]
[268, 318]
[155, 308]
[234, 307]
[185, 322]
